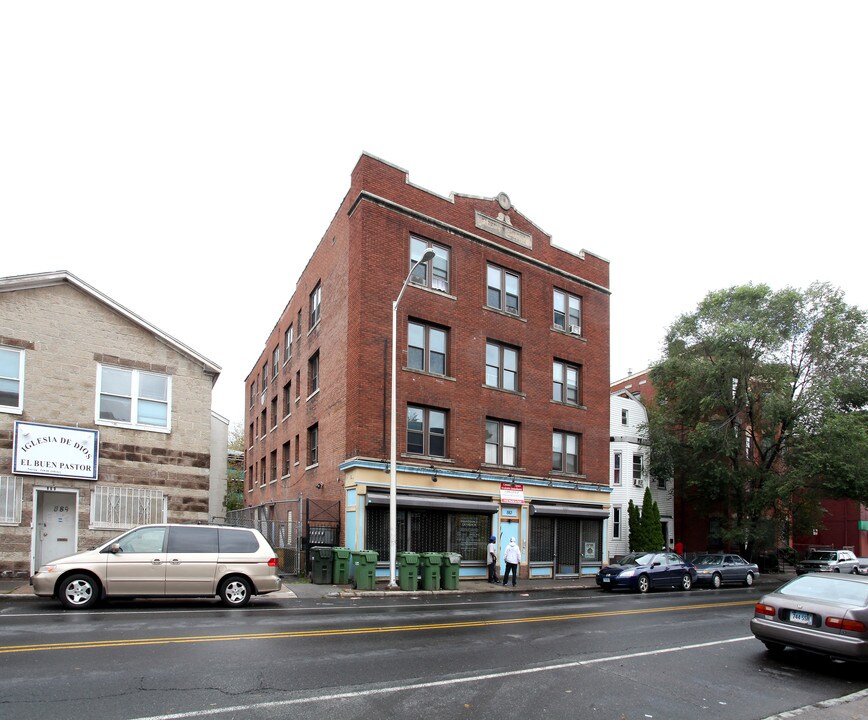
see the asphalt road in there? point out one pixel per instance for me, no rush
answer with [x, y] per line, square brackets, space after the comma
[667, 655]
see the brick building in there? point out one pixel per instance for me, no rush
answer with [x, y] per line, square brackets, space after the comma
[502, 382]
[105, 423]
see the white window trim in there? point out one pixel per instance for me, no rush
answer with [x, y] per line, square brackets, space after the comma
[134, 393]
[20, 408]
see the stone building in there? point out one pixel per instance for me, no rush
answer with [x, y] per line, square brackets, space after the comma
[105, 422]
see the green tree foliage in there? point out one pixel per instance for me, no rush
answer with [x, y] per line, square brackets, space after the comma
[760, 406]
[634, 527]
[651, 532]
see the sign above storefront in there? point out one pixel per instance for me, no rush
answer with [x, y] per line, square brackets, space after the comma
[511, 494]
[55, 451]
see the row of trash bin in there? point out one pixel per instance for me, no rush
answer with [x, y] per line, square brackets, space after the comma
[331, 565]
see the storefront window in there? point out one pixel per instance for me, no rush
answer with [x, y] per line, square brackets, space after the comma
[430, 531]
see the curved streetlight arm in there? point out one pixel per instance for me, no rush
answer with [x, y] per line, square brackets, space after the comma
[393, 472]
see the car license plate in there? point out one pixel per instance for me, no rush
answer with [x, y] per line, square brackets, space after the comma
[802, 618]
[607, 579]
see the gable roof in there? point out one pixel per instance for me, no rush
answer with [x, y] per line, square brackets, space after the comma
[60, 277]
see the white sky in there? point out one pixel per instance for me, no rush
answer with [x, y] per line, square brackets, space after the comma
[184, 158]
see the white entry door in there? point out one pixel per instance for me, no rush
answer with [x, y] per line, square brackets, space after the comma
[56, 517]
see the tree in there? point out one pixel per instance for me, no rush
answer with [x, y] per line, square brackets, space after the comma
[634, 527]
[758, 395]
[236, 437]
[651, 531]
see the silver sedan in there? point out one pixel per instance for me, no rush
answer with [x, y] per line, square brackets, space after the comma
[825, 614]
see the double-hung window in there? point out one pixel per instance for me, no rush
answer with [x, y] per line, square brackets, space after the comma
[11, 380]
[315, 303]
[638, 481]
[501, 366]
[275, 361]
[565, 383]
[426, 348]
[616, 468]
[313, 373]
[287, 344]
[426, 431]
[501, 443]
[565, 452]
[133, 397]
[567, 312]
[433, 274]
[616, 522]
[287, 459]
[502, 290]
[313, 445]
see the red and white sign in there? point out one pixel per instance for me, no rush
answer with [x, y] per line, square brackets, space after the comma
[511, 494]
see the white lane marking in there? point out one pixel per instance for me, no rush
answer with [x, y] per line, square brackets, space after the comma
[434, 683]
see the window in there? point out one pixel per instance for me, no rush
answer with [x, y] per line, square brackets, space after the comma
[144, 540]
[275, 361]
[426, 431]
[567, 312]
[434, 274]
[252, 434]
[287, 459]
[313, 374]
[616, 465]
[616, 523]
[263, 473]
[637, 470]
[273, 465]
[565, 383]
[297, 384]
[426, 348]
[263, 423]
[11, 380]
[313, 445]
[287, 344]
[299, 327]
[122, 507]
[503, 290]
[192, 540]
[661, 483]
[501, 366]
[274, 412]
[501, 443]
[11, 496]
[315, 301]
[295, 456]
[565, 452]
[287, 399]
[623, 417]
[264, 377]
[253, 392]
[133, 397]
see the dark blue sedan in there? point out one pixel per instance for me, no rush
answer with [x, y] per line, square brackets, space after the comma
[643, 571]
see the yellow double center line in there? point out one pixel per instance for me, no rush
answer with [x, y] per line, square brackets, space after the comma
[4, 649]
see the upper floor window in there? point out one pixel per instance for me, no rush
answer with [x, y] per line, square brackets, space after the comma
[623, 416]
[426, 431]
[133, 397]
[315, 302]
[298, 328]
[637, 470]
[287, 458]
[264, 377]
[275, 361]
[426, 348]
[501, 443]
[313, 445]
[616, 522]
[11, 380]
[501, 366]
[287, 399]
[313, 374]
[434, 274]
[616, 467]
[287, 344]
[274, 412]
[503, 290]
[565, 383]
[565, 452]
[567, 312]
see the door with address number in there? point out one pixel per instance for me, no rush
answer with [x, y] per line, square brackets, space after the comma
[56, 532]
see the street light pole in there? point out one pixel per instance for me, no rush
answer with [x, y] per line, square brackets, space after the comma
[393, 471]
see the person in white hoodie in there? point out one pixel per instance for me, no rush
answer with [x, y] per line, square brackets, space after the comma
[512, 558]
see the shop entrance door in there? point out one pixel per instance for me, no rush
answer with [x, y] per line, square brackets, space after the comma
[55, 533]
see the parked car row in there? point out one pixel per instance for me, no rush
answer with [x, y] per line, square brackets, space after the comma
[645, 571]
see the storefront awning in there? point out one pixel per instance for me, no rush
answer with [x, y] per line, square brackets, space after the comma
[582, 511]
[434, 503]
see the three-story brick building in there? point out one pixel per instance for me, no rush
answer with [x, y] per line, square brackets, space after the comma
[502, 381]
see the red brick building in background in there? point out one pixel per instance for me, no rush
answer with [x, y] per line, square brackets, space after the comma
[502, 383]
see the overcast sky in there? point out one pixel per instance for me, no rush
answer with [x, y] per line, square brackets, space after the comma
[185, 158]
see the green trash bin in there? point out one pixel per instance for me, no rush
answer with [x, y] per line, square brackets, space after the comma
[430, 570]
[408, 571]
[449, 566]
[364, 569]
[321, 565]
[340, 565]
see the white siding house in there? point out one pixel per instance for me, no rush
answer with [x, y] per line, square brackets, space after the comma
[628, 472]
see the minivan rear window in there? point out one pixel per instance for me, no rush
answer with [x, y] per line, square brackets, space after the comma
[192, 540]
[237, 541]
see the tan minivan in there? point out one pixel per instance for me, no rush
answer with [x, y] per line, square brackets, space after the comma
[165, 561]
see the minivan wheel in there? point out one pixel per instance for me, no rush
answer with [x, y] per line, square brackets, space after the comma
[235, 592]
[643, 584]
[78, 592]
